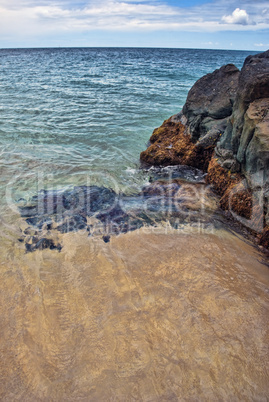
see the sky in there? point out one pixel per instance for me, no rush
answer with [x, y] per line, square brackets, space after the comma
[205, 24]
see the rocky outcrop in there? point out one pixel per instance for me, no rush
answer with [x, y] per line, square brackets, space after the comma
[223, 129]
[190, 136]
[209, 104]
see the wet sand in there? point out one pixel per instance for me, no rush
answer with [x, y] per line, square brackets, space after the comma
[150, 316]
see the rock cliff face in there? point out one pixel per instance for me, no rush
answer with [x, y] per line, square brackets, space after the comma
[223, 129]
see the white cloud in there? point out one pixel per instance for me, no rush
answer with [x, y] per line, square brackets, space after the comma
[238, 16]
[38, 17]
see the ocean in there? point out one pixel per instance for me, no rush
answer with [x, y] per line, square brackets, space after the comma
[162, 314]
[73, 112]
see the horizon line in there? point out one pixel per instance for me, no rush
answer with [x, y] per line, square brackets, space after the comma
[125, 47]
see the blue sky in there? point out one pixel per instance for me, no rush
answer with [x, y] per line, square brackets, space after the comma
[222, 24]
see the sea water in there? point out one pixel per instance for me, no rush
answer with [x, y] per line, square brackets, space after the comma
[73, 112]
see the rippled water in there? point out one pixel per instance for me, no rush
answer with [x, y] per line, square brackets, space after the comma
[71, 112]
[165, 312]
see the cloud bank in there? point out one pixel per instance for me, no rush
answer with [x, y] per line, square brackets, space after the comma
[125, 15]
[44, 18]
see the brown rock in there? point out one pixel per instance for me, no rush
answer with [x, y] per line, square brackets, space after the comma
[171, 145]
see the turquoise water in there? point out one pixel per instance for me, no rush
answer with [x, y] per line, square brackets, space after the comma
[70, 116]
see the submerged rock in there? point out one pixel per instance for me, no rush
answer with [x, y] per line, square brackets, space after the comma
[82, 200]
[73, 223]
[106, 239]
[162, 200]
[42, 244]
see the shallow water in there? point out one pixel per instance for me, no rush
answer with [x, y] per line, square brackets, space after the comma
[174, 310]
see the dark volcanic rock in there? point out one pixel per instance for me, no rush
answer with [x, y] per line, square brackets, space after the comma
[210, 101]
[42, 244]
[253, 85]
[40, 221]
[106, 239]
[73, 223]
[117, 221]
[114, 214]
[190, 137]
[67, 211]
[82, 200]
[28, 211]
